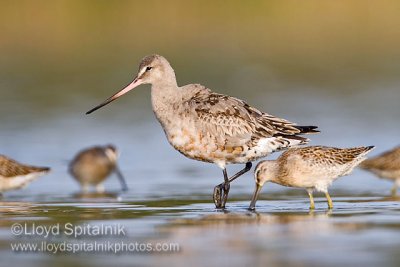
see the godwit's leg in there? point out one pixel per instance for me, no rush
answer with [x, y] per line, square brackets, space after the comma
[312, 205]
[226, 185]
[328, 197]
[240, 173]
[221, 191]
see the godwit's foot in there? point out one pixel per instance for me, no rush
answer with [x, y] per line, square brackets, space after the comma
[220, 196]
[217, 196]
[221, 191]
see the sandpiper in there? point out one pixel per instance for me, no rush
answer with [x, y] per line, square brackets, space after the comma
[211, 127]
[312, 168]
[93, 165]
[14, 175]
[386, 166]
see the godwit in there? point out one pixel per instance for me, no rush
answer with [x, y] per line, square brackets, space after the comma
[386, 166]
[211, 127]
[14, 175]
[312, 168]
[91, 166]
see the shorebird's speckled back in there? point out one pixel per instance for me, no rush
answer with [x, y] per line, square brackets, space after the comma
[14, 175]
[312, 168]
[10, 168]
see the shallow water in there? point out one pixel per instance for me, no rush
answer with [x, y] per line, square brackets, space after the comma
[282, 232]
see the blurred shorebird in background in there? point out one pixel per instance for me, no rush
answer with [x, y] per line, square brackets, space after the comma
[211, 127]
[14, 175]
[386, 166]
[93, 165]
[312, 168]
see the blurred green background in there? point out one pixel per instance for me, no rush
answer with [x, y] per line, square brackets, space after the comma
[78, 49]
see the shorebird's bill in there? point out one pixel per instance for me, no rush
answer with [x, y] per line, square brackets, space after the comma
[136, 82]
[121, 179]
[255, 196]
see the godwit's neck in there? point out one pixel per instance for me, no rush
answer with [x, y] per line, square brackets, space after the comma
[163, 97]
[164, 86]
[164, 92]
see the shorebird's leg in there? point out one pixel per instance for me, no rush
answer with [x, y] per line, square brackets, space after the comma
[85, 188]
[328, 197]
[221, 191]
[100, 188]
[393, 191]
[310, 191]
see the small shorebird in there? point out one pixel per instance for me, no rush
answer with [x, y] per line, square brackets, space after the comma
[211, 127]
[93, 165]
[312, 168]
[14, 175]
[386, 166]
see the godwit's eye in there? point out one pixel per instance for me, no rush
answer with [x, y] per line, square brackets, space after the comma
[148, 68]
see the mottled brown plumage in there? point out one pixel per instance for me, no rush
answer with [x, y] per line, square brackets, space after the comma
[93, 165]
[386, 166]
[212, 127]
[312, 168]
[14, 175]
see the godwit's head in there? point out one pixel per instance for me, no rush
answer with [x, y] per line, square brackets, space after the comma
[264, 172]
[153, 69]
